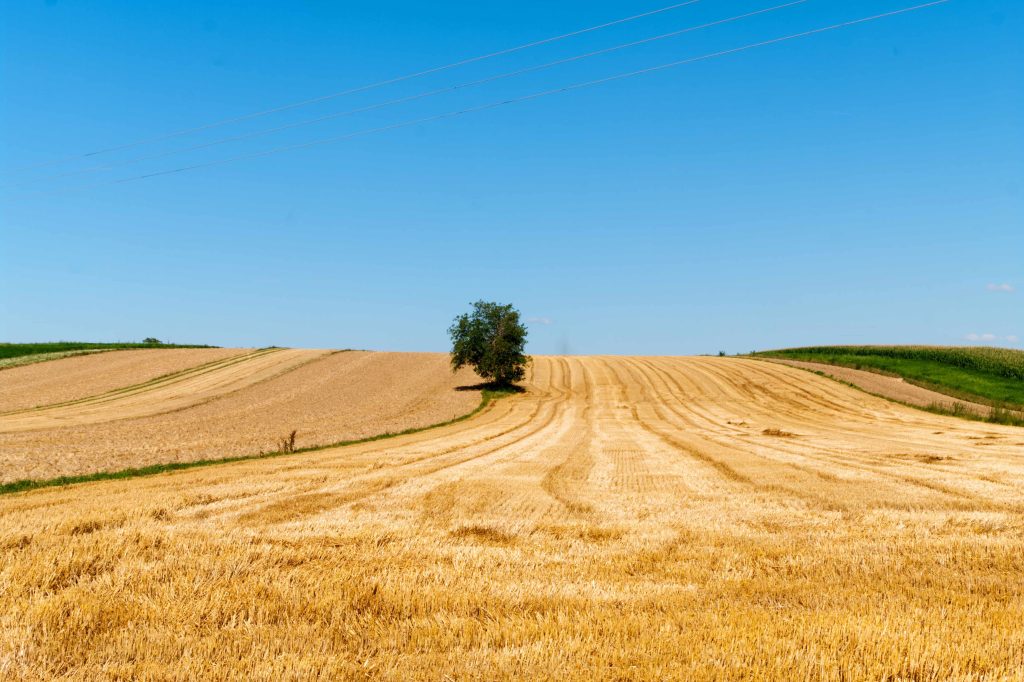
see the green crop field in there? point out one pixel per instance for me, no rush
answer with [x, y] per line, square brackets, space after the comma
[993, 376]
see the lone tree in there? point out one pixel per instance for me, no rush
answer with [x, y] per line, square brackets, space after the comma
[490, 339]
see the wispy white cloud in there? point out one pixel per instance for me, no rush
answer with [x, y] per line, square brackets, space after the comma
[539, 320]
[1003, 288]
[992, 338]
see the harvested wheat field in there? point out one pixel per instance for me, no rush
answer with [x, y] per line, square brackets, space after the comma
[165, 394]
[237, 407]
[894, 388]
[625, 518]
[82, 376]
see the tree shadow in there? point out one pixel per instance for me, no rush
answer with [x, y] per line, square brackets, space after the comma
[492, 386]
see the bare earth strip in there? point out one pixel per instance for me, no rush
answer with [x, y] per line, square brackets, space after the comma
[343, 396]
[80, 376]
[627, 518]
[894, 388]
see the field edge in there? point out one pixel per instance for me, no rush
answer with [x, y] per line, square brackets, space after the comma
[1003, 417]
[488, 396]
[994, 384]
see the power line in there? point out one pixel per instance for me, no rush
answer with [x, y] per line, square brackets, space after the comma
[524, 98]
[362, 88]
[424, 95]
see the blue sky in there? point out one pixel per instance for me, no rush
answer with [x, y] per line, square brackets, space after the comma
[861, 185]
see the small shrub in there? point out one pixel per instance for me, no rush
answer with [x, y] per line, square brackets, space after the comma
[287, 444]
[960, 410]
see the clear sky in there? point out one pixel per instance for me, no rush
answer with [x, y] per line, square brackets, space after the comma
[860, 185]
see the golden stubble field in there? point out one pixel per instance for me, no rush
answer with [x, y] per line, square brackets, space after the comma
[626, 518]
[237, 406]
[82, 376]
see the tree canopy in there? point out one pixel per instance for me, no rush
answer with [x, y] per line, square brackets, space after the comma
[492, 340]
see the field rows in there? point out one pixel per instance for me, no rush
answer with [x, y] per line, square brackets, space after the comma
[241, 405]
[97, 372]
[166, 394]
[626, 518]
[894, 388]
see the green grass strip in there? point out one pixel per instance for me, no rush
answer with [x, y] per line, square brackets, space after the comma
[487, 396]
[14, 350]
[998, 415]
[22, 360]
[991, 376]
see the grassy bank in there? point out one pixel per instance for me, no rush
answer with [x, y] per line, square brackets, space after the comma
[17, 350]
[991, 376]
[998, 415]
[17, 354]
